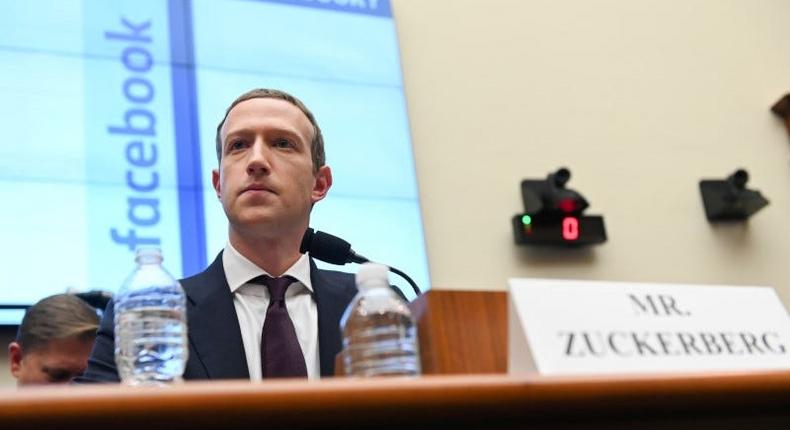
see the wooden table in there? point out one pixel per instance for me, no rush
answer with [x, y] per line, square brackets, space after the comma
[747, 401]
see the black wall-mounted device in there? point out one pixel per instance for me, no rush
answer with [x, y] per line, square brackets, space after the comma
[553, 214]
[728, 199]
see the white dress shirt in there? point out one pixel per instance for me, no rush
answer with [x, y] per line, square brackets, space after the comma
[252, 300]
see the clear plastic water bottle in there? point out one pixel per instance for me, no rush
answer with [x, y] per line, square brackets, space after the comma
[379, 335]
[150, 324]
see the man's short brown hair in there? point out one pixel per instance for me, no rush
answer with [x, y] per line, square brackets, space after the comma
[316, 146]
[62, 316]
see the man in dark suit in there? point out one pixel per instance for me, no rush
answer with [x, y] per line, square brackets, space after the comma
[261, 309]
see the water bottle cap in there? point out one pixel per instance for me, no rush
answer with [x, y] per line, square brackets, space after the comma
[371, 275]
[148, 255]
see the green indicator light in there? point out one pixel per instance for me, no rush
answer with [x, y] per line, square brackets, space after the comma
[526, 220]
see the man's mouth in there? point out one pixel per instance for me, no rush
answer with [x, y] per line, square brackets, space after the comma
[258, 188]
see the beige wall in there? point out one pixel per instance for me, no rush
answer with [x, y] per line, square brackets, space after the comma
[640, 99]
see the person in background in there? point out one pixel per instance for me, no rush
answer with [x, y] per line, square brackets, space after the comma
[54, 341]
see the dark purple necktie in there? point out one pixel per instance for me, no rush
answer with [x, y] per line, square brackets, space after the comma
[281, 355]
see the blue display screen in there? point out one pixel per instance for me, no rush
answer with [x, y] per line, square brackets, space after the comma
[109, 111]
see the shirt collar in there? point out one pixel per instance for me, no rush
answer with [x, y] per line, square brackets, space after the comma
[239, 270]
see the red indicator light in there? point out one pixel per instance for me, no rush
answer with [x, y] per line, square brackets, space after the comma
[570, 228]
[567, 205]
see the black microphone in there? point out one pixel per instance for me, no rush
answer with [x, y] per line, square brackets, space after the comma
[334, 250]
[329, 248]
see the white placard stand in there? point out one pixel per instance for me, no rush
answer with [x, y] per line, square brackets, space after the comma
[559, 327]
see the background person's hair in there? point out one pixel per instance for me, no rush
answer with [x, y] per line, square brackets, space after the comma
[316, 146]
[62, 316]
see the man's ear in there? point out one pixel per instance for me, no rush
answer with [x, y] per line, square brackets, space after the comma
[15, 358]
[215, 182]
[323, 181]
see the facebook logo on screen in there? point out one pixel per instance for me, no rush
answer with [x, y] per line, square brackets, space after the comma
[112, 110]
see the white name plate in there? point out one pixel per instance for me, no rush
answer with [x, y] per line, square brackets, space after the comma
[559, 327]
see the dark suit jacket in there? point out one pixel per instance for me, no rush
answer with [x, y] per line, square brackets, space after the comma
[216, 350]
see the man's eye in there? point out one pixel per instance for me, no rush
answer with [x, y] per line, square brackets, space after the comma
[236, 145]
[59, 376]
[283, 143]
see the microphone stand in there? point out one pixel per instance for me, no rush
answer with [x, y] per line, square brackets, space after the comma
[407, 278]
[340, 253]
[356, 258]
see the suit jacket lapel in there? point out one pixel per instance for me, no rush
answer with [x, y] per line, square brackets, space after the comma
[330, 303]
[213, 325]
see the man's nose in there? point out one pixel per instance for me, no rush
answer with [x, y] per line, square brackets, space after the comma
[259, 162]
